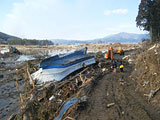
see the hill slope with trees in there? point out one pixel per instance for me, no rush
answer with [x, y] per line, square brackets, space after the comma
[8, 39]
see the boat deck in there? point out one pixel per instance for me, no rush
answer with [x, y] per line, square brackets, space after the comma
[65, 61]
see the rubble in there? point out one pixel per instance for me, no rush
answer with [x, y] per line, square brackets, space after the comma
[48, 101]
[151, 94]
[6, 52]
[53, 95]
[146, 70]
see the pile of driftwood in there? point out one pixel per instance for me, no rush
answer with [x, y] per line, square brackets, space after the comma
[46, 101]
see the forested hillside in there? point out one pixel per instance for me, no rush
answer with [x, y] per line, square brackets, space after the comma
[8, 39]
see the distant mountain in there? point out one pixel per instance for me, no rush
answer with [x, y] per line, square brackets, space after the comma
[123, 38]
[6, 37]
[120, 37]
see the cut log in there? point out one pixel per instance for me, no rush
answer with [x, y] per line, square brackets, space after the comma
[29, 75]
[151, 94]
[110, 104]
[68, 118]
[12, 117]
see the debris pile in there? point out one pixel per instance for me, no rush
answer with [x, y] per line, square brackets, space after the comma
[14, 50]
[146, 72]
[57, 100]
[8, 52]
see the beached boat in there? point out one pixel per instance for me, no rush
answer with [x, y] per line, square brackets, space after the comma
[58, 67]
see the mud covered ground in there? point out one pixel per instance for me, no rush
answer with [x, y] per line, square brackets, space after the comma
[9, 97]
[111, 96]
[114, 98]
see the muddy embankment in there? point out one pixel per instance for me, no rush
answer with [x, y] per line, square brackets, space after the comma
[132, 95]
[146, 73]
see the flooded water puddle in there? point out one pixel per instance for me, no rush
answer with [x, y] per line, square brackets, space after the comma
[2, 102]
[25, 58]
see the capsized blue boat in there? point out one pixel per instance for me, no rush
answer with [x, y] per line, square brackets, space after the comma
[58, 67]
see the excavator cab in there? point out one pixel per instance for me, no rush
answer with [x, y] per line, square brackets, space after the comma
[120, 50]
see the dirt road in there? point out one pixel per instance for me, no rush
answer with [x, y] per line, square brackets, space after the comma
[118, 89]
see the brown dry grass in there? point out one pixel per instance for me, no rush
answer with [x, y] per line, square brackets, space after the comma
[34, 49]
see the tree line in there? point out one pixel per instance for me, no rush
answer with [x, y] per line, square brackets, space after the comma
[28, 42]
[148, 18]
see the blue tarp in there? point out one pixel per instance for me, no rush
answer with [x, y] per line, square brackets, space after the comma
[66, 106]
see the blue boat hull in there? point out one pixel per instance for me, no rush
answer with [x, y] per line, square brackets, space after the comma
[56, 68]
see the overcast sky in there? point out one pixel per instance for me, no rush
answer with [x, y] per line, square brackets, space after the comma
[68, 19]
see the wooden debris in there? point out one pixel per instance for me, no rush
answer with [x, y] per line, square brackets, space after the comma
[17, 85]
[68, 118]
[110, 105]
[71, 79]
[62, 90]
[29, 103]
[21, 100]
[25, 117]
[12, 117]
[151, 94]
[81, 78]
[88, 80]
[29, 75]
[80, 73]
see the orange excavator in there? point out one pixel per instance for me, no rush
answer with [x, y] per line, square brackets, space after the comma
[109, 54]
[120, 50]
